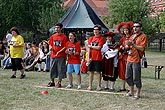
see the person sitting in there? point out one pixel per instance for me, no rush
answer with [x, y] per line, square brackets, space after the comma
[28, 54]
[34, 58]
[2, 51]
[47, 54]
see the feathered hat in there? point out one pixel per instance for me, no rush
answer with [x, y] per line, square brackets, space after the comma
[125, 25]
[109, 34]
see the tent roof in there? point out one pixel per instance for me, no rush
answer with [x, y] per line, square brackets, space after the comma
[81, 15]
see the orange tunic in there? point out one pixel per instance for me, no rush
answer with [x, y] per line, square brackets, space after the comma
[140, 41]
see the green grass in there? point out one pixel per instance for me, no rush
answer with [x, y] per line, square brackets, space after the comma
[23, 94]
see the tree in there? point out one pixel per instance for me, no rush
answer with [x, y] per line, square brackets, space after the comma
[50, 14]
[162, 21]
[35, 16]
[134, 10]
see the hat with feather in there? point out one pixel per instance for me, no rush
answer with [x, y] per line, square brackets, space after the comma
[125, 25]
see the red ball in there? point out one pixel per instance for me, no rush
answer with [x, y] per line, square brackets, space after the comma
[44, 92]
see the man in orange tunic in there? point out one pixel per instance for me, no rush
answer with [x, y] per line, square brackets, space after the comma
[137, 44]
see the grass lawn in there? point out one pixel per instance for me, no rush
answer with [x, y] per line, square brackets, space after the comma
[24, 94]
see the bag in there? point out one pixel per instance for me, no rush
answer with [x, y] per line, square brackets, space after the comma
[144, 62]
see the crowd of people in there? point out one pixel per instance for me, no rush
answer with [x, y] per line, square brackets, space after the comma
[101, 55]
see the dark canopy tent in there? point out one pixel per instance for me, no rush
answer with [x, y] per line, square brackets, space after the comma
[80, 18]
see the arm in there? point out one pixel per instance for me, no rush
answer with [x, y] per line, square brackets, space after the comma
[63, 49]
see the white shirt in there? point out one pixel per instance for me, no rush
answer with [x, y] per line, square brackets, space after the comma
[8, 37]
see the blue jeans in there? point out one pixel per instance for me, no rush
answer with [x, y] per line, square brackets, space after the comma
[47, 63]
[6, 61]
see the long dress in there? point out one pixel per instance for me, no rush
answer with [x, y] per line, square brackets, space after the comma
[109, 66]
[122, 59]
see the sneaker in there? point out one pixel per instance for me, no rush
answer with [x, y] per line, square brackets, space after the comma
[58, 85]
[51, 84]
[136, 97]
[111, 90]
[98, 88]
[128, 94]
[69, 86]
[13, 76]
[79, 86]
[22, 76]
[89, 88]
[106, 88]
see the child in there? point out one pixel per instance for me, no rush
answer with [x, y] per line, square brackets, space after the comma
[73, 51]
[83, 61]
[110, 70]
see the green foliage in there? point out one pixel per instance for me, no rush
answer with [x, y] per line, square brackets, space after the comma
[162, 20]
[134, 10]
[49, 16]
[29, 15]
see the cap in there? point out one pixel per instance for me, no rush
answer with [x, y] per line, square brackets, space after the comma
[87, 34]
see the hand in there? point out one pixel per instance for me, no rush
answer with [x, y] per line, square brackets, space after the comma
[57, 53]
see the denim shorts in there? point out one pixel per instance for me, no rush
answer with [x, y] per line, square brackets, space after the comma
[73, 68]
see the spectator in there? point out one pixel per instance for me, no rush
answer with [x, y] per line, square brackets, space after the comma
[17, 52]
[2, 51]
[47, 54]
[34, 56]
[85, 52]
[28, 54]
[8, 37]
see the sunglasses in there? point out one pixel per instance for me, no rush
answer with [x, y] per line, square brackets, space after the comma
[136, 26]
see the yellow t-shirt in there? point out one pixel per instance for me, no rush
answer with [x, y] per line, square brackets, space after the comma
[17, 52]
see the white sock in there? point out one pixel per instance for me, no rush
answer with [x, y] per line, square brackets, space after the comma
[105, 84]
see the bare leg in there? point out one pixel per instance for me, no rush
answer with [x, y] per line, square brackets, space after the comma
[22, 71]
[138, 92]
[91, 75]
[99, 79]
[131, 90]
[70, 79]
[79, 79]
[123, 85]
